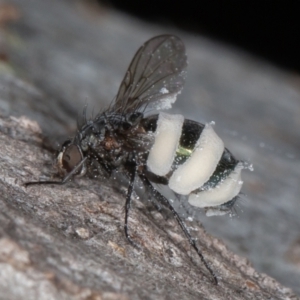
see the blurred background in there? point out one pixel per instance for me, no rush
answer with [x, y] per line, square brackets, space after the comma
[267, 29]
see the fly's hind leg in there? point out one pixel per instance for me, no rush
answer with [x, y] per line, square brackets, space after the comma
[132, 173]
[164, 201]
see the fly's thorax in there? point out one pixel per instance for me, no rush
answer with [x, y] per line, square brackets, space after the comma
[98, 135]
[112, 139]
[92, 133]
[89, 141]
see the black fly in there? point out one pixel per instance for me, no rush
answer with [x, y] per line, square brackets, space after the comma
[165, 149]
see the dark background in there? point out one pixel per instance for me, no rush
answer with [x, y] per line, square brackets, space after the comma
[267, 29]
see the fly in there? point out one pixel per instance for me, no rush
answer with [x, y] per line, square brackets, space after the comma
[187, 156]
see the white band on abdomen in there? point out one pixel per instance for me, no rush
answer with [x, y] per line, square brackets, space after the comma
[166, 142]
[201, 165]
[225, 191]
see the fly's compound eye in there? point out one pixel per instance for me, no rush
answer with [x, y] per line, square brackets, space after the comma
[70, 157]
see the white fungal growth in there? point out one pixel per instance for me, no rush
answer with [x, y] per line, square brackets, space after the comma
[166, 142]
[222, 193]
[164, 90]
[201, 165]
[167, 100]
[215, 212]
[248, 166]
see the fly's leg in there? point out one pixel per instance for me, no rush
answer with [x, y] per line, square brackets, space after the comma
[165, 202]
[128, 204]
[63, 181]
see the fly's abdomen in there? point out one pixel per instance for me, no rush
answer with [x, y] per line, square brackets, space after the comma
[201, 164]
[193, 157]
[167, 136]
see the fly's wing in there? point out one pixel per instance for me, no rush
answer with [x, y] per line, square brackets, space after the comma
[155, 76]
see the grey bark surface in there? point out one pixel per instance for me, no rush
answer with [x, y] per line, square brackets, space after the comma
[67, 242]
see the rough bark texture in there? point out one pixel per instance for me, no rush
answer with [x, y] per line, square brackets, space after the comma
[67, 242]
